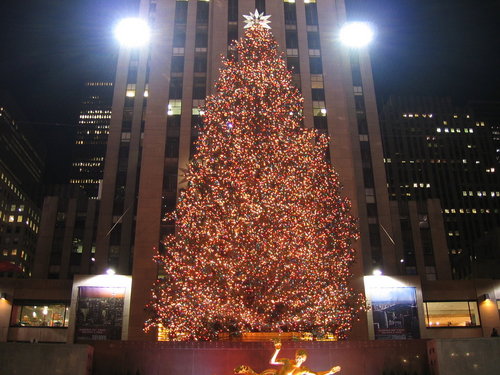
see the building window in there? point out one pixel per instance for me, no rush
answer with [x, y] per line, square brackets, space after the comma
[179, 37]
[40, 314]
[320, 122]
[291, 39]
[290, 13]
[174, 107]
[260, 5]
[200, 63]
[292, 64]
[181, 12]
[232, 11]
[202, 12]
[199, 88]
[315, 65]
[451, 314]
[232, 33]
[177, 64]
[201, 38]
[172, 149]
[313, 40]
[311, 13]
[175, 91]
[318, 94]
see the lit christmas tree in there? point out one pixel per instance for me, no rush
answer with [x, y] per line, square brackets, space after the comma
[264, 238]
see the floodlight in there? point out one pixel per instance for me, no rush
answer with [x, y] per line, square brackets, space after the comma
[132, 32]
[356, 34]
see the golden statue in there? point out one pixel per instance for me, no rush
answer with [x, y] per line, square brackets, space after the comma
[289, 366]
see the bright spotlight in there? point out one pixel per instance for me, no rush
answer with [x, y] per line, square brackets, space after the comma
[110, 271]
[377, 272]
[356, 34]
[132, 32]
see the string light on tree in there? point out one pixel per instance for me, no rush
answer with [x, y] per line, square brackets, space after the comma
[264, 237]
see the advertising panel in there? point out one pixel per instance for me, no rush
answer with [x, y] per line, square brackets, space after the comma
[99, 314]
[395, 315]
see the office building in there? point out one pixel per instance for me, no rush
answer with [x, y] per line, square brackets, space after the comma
[66, 240]
[434, 151]
[159, 89]
[20, 187]
[91, 137]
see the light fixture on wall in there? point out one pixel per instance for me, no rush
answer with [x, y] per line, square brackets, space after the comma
[3, 296]
[483, 297]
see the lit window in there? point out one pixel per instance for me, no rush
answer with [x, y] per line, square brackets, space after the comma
[130, 93]
[316, 81]
[438, 130]
[40, 315]
[11, 218]
[174, 107]
[451, 314]
[319, 108]
[13, 252]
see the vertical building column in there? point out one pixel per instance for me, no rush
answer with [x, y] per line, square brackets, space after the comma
[378, 168]
[105, 221]
[441, 257]
[69, 228]
[344, 147]
[88, 236]
[187, 93]
[305, 71]
[217, 41]
[45, 238]
[276, 10]
[417, 241]
[144, 271]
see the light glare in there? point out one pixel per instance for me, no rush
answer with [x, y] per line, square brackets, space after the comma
[132, 32]
[356, 34]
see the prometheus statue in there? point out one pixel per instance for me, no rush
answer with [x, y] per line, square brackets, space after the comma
[289, 366]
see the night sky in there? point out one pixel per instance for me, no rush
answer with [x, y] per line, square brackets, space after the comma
[422, 47]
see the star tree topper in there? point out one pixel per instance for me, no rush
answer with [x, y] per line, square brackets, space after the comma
[257, 18]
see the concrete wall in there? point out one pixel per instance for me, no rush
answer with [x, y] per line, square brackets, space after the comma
[45, 359]
[40, 334]
[464, 356]
[220, 358]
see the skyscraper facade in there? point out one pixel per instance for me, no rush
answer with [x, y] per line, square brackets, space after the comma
[436, 151]
[21, 170]
[91, 137]
[155, 113]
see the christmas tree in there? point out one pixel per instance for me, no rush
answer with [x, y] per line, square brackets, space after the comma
[264, 238]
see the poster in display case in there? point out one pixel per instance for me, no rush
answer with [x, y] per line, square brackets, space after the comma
[395, 313]
[99, 313]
